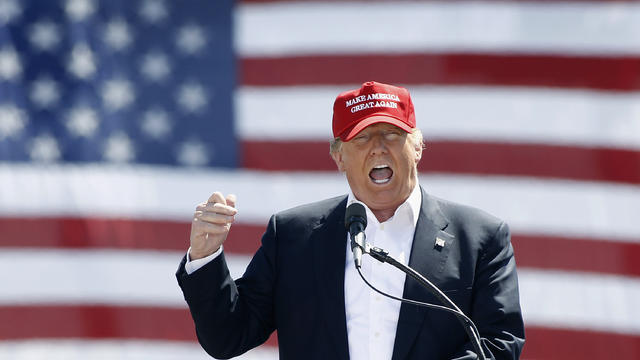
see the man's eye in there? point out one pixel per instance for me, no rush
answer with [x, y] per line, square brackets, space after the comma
[392, 135]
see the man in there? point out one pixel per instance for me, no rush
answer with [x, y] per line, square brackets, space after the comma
[302, 281]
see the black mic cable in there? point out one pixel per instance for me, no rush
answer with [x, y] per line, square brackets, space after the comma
[414, 302]
[470, 328]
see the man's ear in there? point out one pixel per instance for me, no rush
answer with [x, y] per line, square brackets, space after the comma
[418, 150]
[337, 157]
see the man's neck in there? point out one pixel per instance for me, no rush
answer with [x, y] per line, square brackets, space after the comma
[384, 215]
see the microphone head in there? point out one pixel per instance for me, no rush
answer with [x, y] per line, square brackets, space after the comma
[355, 213]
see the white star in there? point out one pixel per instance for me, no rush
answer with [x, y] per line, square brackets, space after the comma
[153, 11]
[192, 97]
[191, 39]
[12, 121]
[117, 34]
[44, 35]
[44, 148]
[82, 63]
[117, 94]
[118, 148]
[9, 10]
[82, 121]
[192, 153]
[155, 67]
[10, 66]
[79, 10]
[44, 92]
[156, 123]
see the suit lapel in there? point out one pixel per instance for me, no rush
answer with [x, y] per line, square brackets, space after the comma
[329, 254]
[428, 256]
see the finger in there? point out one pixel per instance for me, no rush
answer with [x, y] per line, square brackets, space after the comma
[219, 208]
[215, 218]
[231, 200]
[217, 197]
[204, 228]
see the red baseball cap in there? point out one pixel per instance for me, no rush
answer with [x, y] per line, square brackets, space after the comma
[372, 103]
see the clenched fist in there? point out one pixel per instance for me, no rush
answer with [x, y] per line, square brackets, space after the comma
[211, 223]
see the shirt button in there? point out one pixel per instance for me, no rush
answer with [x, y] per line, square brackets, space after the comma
[381, 226]
[378, 298]
[377, 334]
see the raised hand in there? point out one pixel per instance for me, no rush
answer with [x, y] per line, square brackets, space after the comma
[211, 224]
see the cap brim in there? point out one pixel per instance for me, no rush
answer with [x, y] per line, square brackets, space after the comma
[374, 119]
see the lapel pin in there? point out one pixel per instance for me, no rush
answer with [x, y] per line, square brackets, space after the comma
[439, 243]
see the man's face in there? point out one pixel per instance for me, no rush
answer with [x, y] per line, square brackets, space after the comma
[380, 164]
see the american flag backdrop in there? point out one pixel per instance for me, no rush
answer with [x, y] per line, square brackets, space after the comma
[117, 117]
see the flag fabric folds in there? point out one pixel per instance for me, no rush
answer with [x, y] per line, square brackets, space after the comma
[118, 117]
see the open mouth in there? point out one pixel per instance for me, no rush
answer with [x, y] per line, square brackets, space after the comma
[381, 174]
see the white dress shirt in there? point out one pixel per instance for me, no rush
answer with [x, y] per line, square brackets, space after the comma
[192, 265]
[372, 319]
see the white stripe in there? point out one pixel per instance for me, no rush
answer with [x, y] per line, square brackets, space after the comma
[548, 207]
[296, 28]
[95, 276]
[544, 116]
[285, 113]
[152, 192]
[556, 207]
[580, 301]
[120, 349]
[549, 298]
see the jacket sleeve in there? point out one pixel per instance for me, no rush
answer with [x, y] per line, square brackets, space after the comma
[496, 303]
[232, 317]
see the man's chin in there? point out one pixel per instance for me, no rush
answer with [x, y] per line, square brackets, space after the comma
[382, 195]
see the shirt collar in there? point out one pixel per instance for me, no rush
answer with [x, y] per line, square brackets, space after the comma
[413, 202]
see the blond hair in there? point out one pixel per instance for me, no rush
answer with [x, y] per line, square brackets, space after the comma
[415, 137]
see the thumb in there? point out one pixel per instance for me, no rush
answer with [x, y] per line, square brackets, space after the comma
[231, 200]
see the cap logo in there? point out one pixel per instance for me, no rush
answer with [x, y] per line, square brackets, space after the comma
[358, 102]
[373, 103]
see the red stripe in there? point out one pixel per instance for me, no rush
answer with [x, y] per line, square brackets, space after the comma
[95, 322]
[543, 252]
[460, 1]
[465, 157]
[131, 234]
[551, 344]
[297, 155]
[128, 322]
[584, 72]
[98, 322]
[80, 233]
[602, 256]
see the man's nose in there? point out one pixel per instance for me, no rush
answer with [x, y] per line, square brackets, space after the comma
[379, 145]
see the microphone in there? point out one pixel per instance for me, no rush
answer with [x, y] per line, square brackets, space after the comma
[355, 220]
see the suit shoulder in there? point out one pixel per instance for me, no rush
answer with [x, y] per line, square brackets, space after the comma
[312, 211]
[457, 213]
[468, 222]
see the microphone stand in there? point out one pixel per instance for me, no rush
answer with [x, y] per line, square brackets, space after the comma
[467, 324]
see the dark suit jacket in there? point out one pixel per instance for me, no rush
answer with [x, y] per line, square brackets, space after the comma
[295, 285]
